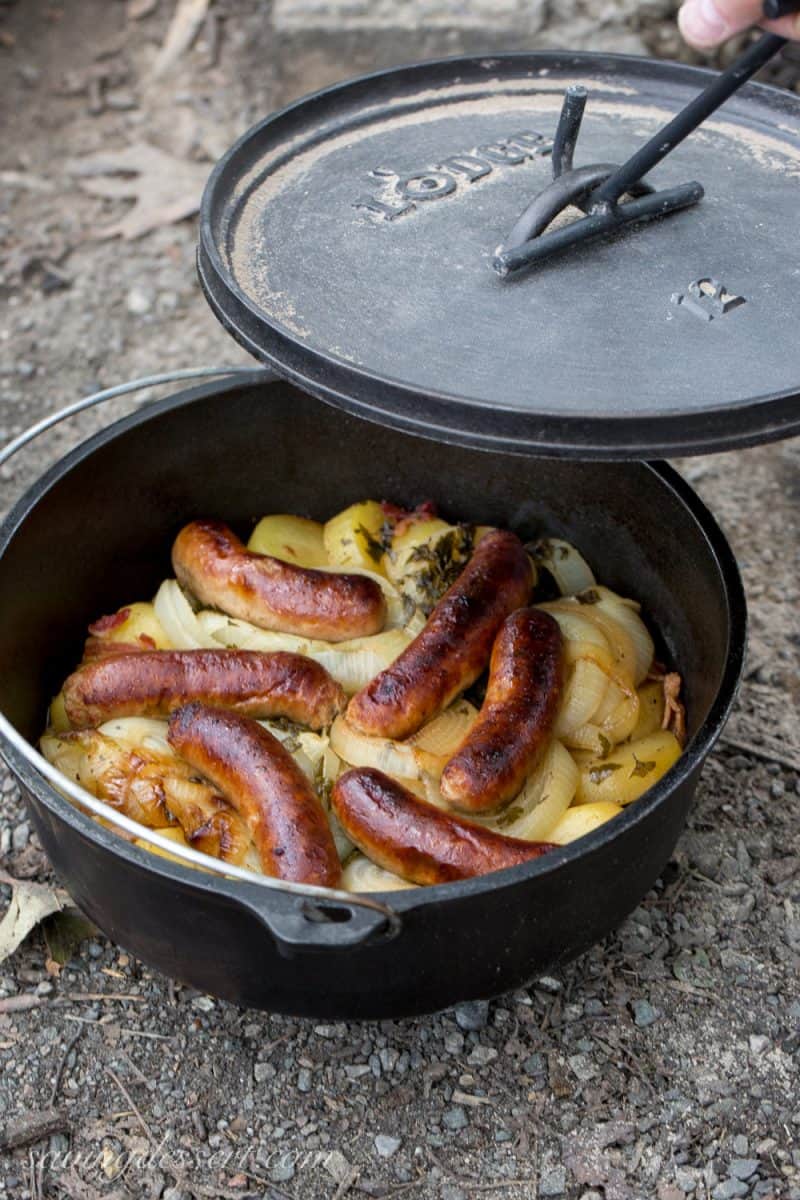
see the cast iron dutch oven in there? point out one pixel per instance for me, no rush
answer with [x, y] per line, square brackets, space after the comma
[95, 532]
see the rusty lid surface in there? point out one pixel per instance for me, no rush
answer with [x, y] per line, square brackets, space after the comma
[348, 242]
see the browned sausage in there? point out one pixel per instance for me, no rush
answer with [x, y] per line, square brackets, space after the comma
[416, 840]
[217, 567]
[454, 646]
[153, 683]
[516, 718]
[263, 782]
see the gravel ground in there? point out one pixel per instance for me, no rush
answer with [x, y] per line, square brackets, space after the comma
[661, 1064]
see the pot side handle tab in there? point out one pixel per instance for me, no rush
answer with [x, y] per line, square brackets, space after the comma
[337, 921]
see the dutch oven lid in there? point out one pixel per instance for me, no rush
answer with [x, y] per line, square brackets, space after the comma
[348, 241]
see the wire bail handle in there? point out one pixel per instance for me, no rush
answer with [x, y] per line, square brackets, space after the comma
[300, 918]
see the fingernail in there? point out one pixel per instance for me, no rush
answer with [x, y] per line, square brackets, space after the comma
[701, 23]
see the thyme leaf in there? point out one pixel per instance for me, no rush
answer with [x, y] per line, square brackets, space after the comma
[373, 546]
[601, 774]
[642, 769]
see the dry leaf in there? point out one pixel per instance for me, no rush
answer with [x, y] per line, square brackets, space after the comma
[189, 16]
[63, 934]
[30, 904]
[166, 189]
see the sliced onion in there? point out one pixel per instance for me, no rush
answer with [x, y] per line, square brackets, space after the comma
[363, 875]
[567, 565]
[403, 760]
[179, 620]
[67, 754]
[583, 639]
[444, 734]
[619, 640]
[139, 733]
[399, 609]
[353, 663]
[626, 613]
[616, 723]
[585, 691]
[545, 798]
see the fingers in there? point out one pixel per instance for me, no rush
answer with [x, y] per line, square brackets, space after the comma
[706, 23]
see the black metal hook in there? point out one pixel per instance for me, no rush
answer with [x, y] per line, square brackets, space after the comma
[598, 189]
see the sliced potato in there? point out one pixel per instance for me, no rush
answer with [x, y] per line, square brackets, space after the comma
[353, 538]
[174, 834]
[651, 709]
[426, 557]
[58, 720]
[291, 539]
[630, 769]
[582, 819]
[136, 624]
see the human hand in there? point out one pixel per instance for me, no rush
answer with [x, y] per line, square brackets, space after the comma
[706, 23]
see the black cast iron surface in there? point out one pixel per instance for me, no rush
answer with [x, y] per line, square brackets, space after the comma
[348, 241]
[238, 452]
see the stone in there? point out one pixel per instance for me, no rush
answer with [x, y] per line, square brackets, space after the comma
[548, 984]
[19, 838]
[337, 1166]
[743, 1168]
[282, 1169]
[553, 1182]
[472, 1015]
[729, 1189]
[583, 1067]
[454, 1118]
[759, 1044]
[138, 301]
[643, 1013]
[481, 1056]
[386, 1146]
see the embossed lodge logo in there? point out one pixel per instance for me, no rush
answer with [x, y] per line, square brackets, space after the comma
[401, 194]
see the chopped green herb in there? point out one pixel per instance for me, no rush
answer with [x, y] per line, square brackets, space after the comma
[642, 769]
[372, 545]
[510, 816]
[323, 785]
[444, 561]
[601, 774]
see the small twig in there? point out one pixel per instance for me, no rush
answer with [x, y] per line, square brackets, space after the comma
[59, 1073]
[10, 1004]
[148, 1083]
[108, 997]
[765, 753]
[133, 1104]
[32, 1128]
[680, 986]
[145, 1033]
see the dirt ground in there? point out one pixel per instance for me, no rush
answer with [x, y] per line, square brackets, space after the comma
[661, 1064]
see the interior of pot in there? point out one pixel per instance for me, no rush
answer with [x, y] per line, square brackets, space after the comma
[96, 532]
